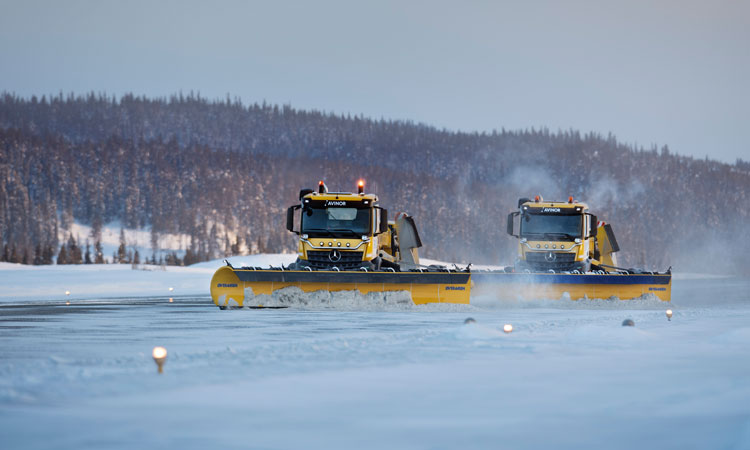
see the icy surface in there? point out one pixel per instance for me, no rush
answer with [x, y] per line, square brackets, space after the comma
[351, 375]
[23, 284]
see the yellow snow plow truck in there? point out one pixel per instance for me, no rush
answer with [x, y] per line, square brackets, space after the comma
[565, 252]
[345, 243]
[344, 231]
[561, 236]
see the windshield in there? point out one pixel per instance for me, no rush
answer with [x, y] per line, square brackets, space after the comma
[550, 227]
[336, 222]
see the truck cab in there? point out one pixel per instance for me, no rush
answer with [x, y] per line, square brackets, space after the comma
[338, 230]
[559, 237]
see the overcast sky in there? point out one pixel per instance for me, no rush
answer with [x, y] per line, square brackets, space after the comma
[651, 72]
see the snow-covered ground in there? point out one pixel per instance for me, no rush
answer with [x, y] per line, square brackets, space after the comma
[23, 284]
[568, 376]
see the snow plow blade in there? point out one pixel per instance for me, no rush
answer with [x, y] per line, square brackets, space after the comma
[624, 286]
[231, 287]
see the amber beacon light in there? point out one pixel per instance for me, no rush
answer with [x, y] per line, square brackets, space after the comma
[361, 187]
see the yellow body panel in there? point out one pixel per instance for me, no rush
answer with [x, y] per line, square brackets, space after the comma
[513, 290]
[228, 291]
[348, 196]
[561, 205]
[226, 288]
[607, 255]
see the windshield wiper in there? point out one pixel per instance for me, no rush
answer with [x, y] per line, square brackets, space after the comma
[345, 230]
[565, 235]
[317, 230]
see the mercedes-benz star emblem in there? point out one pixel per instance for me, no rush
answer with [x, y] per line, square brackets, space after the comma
[334, 256]
[550, 256]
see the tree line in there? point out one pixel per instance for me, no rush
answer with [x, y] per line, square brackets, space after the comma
[223, 173]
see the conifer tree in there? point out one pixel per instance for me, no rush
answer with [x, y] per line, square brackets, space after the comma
[99, 253]
[48, 254]
[96, 227]
[38, 257]
[62, 257]
[189, 257]
[87, 259]
[154, 241]
[122, 256]
[74, 254]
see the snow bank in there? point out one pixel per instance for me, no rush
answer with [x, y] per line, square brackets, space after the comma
[263, 260]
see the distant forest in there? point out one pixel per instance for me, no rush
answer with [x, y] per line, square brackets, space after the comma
[224, 173]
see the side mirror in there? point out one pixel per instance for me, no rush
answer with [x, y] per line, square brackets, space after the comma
[511, 219]
[304, 192]
[383, 220]
[290, 218]
[593, 225]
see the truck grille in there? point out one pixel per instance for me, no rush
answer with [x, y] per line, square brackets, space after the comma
[561, 261]
[320, 259]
